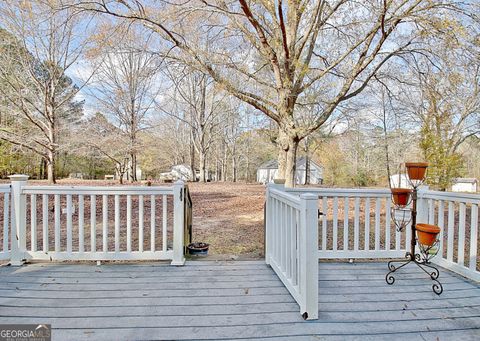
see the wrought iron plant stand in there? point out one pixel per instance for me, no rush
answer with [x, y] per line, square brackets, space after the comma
[426, 252]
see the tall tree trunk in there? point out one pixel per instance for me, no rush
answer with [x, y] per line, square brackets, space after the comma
[51, 176]
[224, 164]
[217, 168]
[192, 160]
[247, 168]
[307, 162]
[202, 161]
[282, 146]
[120, 174]
[287, 144]
[234, 164]
[133, 167]
[51, 154]
[385, 140]
[43, 167]
[291, 159]
[234, 169]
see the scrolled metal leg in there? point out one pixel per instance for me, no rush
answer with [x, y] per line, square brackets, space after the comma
[437, 287]
[434, 274]
[389, 277]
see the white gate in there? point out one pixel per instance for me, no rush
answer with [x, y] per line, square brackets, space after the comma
[291, 245]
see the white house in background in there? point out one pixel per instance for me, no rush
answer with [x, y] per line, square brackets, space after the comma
[465, 185]
[182, 172]
[399, 181]
[267, 172]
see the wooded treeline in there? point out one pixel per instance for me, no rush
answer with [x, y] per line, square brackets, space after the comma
[104, 87]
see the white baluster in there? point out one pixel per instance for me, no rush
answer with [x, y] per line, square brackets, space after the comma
[93, 223]
[57, 210]
[129, 223]
[461, 234]
[450, 235]
[105, 222]
[377, 223]
[367, 224]
[335, 223]
[345, 224]
[324, 223]
[81, 224]
[33, 222]
[69, 223]
[117, 223]
[45, 222]
[6, 210]
[152, 223]
[140, 223]
[164, 223]
[388, 219]
[472, 264]
[356, 224]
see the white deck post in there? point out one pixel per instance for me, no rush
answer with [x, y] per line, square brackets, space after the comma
[178, 221]
[422, 205]
[309, 256]
[19, 220]
[269, 220]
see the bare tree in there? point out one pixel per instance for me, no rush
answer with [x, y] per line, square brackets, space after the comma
[198, 103]
[278, 56]
[108, 140]
[126, 87]
[42, 95]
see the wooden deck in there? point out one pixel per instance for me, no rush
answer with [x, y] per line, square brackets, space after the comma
[235, 300]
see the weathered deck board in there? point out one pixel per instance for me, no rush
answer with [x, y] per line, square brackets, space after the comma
[235, 300]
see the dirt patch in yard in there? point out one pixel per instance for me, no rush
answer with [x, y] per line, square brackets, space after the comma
[229, 216]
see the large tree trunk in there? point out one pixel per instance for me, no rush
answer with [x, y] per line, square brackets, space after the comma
[224, 164]
[234, 164]
[192, 160]
[247, 168]
[202, 161]
[51, 176]
[217, 168]
[133, 167]
[234, 169]
[287, 144]
[282, 146]
[43, 167]
[291, 159]
[51, 154]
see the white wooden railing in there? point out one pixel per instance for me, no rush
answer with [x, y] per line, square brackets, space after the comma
[457, 216]
[291, 238]
[5, 222]
[75, 223]
[356, 223]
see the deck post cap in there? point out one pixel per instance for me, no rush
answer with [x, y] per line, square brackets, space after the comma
[18, 177]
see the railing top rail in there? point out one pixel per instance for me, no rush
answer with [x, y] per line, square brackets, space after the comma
[99, 190]
[342, 192]
[285, 197]
[5, 189]
[450, 196]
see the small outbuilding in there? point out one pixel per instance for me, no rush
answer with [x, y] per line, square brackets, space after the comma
[268, 171]
[465, 185]
[182, 172]
[399, 181]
